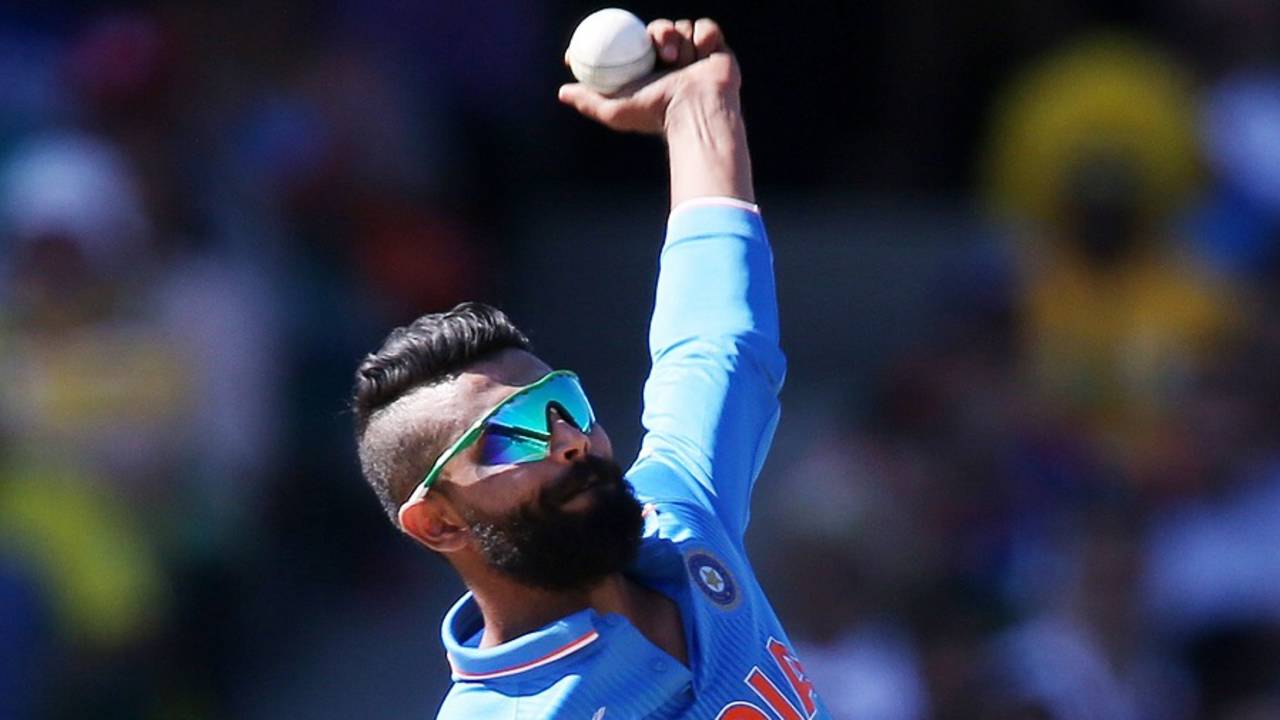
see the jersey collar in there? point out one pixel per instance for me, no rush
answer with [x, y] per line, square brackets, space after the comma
[553, 642]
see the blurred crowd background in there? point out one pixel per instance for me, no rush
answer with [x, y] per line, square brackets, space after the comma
[1029, 270]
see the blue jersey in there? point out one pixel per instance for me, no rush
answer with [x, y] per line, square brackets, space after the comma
[710, 409]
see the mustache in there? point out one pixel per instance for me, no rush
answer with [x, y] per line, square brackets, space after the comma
[542, 544]
[580, 476]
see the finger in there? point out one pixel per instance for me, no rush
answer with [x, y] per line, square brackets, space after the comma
[588, 102]
[707, 37]
[685, 30]
[566, 58]
[665, 39]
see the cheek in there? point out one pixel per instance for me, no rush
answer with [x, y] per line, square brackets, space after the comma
[498, 493]
[601, 446]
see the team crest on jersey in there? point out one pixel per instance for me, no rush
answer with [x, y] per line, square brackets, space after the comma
[710, 575]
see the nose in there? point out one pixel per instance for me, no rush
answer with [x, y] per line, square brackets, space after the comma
[568, 443]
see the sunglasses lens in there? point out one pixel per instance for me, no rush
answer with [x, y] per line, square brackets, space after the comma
[518, 431]
[567, 397]
[502, 448]
[528, 411]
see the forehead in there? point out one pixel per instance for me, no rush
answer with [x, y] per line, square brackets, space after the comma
[460, 401]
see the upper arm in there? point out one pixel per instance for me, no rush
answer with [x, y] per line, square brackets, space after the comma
[711, 400]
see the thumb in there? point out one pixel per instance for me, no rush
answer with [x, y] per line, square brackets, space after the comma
[589, 102]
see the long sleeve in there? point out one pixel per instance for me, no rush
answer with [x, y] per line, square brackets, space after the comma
[711, 399]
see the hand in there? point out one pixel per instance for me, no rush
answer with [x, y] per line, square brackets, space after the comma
[702, 75]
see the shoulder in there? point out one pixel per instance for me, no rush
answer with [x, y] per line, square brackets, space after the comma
[682, 540]
[678, 508]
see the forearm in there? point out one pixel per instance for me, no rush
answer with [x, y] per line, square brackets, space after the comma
[707, 144]
[711, 400]
[715, 278]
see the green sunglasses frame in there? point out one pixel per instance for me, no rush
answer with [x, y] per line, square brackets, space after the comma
[474, 432]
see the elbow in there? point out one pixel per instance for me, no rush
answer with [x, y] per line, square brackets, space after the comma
[747, 354]
[772, 361]
[759, 351]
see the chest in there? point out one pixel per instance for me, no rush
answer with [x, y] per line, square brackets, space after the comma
[739, 662]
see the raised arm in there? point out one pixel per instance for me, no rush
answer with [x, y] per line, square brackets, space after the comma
[711, 398]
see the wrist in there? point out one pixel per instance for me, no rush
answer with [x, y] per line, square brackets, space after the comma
[706, 139]
[701, 116]
[707, 148]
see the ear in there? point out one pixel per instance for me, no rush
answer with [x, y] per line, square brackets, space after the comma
[433, 522]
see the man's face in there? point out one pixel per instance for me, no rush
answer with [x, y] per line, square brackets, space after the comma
[561, 523]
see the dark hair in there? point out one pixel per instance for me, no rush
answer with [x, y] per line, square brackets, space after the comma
[432, 349]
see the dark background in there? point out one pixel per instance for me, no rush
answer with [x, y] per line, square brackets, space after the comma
[1026, 257]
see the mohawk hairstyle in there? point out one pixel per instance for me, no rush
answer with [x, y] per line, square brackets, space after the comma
[430, 350]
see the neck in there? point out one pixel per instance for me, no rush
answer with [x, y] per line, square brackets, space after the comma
[511, 609]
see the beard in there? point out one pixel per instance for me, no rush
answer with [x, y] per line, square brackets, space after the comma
[545, 546]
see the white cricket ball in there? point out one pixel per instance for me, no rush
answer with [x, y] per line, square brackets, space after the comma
[610, 48]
